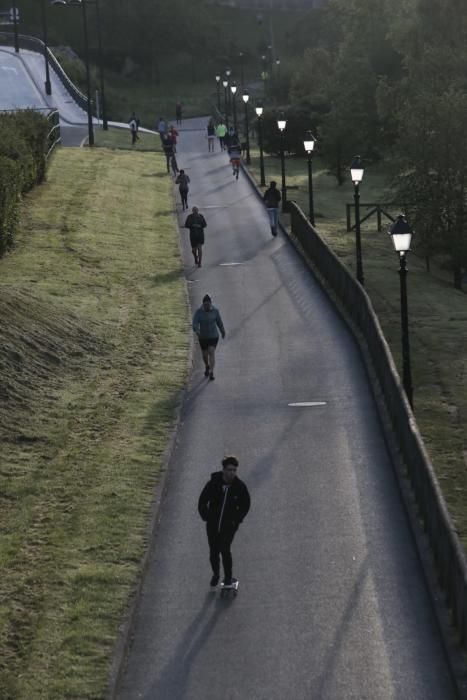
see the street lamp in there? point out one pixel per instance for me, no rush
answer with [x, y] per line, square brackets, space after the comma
[14, 15]
[233, 90]
[218, 81]
[401, 235]
[259, 114]
[86, 59]
[48, 87]
[245, 98]
[281, 124]
[225, 84]
[309, 144]
[356, 172]
[228, 71]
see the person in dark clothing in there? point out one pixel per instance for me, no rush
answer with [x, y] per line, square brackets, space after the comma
[178, 112]
[223, 504]
[196, 223]
[182, 182]
[167, 145]
[207, 323]
[271, 198]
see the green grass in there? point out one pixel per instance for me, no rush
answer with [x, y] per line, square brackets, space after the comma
[437, 316]
[94, 349]
[120, 139]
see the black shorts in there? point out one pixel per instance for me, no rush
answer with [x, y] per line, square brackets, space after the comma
[206, 342]
[196, 238]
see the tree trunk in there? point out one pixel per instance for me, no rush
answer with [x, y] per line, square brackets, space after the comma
[457, 277]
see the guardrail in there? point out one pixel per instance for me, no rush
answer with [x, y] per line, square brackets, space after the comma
[53, 137]
[34, 44]
[449, 556]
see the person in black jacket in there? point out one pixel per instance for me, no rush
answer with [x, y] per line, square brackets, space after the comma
[223, 504]
[272, 197]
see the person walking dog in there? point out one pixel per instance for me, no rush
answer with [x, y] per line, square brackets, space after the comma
[223, 504]
[207, 323]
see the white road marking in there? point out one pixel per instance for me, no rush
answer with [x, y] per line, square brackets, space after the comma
[9, 68]
[308, 403]
[230, 264]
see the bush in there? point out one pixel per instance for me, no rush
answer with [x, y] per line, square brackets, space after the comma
[10, 179]
[23, 146]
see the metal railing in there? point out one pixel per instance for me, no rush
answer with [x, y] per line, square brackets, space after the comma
[53, 137]
[449, 556]
[34, 44]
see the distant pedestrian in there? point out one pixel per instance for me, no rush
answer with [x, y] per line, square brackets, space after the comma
[211, 134]
[178, 112]
[161, 127]
[174, 134]
[134, 123]
[182, 182]
[167, 146]
[231, 138]
[271, 198]
[223, 504]
[196, 223]
[207, 323]
[134, 131]
[235, 158]
[221, 131]
[174, 164]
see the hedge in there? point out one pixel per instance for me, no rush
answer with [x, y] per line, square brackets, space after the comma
[23, 147]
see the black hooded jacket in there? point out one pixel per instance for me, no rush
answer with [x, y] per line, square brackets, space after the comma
[223, 506]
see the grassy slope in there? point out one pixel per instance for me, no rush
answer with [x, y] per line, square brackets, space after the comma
[437, 317]
[93, 348]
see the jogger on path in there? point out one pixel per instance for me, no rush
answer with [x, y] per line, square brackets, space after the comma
[196, 223]
[206, 322]
[223, 504]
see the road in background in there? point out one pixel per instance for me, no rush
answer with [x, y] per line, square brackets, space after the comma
[332, 602]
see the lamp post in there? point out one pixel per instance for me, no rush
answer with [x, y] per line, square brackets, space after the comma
[259, 114]
[86, 59]
[242, 76]
[48, 87]
[225, 84]
[227, 75]
[233, 90]
[281, 124]
[309, 144]
[401, 235]
[245, 98]
[14, 15]
[218, 86]
[105, 125]
[356, 172]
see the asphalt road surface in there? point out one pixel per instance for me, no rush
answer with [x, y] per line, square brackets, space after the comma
[332, 602]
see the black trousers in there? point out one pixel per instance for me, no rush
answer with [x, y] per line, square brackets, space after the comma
[219, 546]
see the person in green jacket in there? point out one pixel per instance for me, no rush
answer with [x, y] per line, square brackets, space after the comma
[221, 131]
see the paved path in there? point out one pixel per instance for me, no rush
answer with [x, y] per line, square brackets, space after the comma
[332, 602]
[22, 86]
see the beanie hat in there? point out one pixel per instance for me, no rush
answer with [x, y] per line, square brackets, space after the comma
[206, 298]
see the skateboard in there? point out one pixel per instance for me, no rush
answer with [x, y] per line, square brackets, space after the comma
[227, 590]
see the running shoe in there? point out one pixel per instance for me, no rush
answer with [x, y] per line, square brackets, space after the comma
[214, 580]
[206, 372]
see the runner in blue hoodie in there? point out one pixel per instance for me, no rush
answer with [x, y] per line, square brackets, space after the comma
[223, 504]
[206, 321]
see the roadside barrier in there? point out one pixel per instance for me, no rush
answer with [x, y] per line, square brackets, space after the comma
[448, 553]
